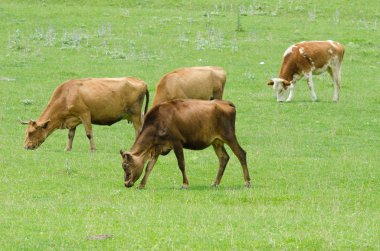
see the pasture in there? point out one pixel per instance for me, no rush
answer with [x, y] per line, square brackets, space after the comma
[314, 165]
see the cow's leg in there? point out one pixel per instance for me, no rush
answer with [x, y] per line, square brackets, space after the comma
[136, 121]
[148, 169]
[223, 160]
[241, 155]
[86, 120]
[178, 150]
[71, 138]
[309, 77]
[336, 77]
[291, 92]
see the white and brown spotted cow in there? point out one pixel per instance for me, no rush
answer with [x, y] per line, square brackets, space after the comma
[306, 59]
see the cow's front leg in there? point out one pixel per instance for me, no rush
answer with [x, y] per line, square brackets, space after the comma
[148, 169]
[178, 150]
[86, 120]
[291, 93]
[311, 86]
[71, 138]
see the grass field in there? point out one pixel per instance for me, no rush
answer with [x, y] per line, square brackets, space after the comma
[315, 165]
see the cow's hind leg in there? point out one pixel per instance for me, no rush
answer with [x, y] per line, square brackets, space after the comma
[336, 77]
[309, 77]
[71, 138]
[223, 160]
[86, 120]
[136, 121]
[241, 155]
[178, 150]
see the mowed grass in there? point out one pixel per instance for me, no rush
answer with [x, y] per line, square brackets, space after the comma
[314, 166]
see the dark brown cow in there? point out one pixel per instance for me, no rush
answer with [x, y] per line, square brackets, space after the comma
[202, 82]
[306, 59]
[178, 124]
[99, 101]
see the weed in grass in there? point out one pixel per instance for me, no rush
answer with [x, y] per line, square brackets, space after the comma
[27, 102]
[312, 15]
[16, 41]
[234, 44]
[74, 40]
[104, 30]
[336, 17]
[239, 26]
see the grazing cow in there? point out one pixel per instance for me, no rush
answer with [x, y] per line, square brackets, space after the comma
[177, 124]
[306, 59]
[203, 82]
[99, 101]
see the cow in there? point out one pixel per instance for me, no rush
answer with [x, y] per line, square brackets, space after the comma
[99, 101]
[203, 82]
[183, 123]
[306, 59]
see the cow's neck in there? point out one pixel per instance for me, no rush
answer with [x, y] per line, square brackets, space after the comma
[55, 118]
[285, 74]
[143, 148]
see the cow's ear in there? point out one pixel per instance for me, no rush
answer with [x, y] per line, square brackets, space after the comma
[128, 156]
[270, 82]
[286, 82]
[44, 124]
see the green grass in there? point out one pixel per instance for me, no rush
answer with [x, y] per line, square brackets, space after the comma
[315, 166]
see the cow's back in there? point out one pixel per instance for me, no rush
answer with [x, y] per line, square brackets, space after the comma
[190, 83]
[107, 99]
[197, 123]
[320, 52]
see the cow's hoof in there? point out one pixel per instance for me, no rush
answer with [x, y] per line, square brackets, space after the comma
[248, 184]
[184, 187]
[215, 185]
[141, 187]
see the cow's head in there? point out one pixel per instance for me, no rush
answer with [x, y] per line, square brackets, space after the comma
[279, 85]
[133, 167]
[36, 133]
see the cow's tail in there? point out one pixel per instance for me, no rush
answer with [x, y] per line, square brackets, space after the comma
[146, 101]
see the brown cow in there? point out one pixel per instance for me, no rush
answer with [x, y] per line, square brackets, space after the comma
[203, 82]
[191, 124]
[99, 101]
[306, 59]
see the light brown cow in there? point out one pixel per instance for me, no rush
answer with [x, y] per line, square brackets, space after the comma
[177, 124]
[99, 101]
[203, 82]
[306, 59]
